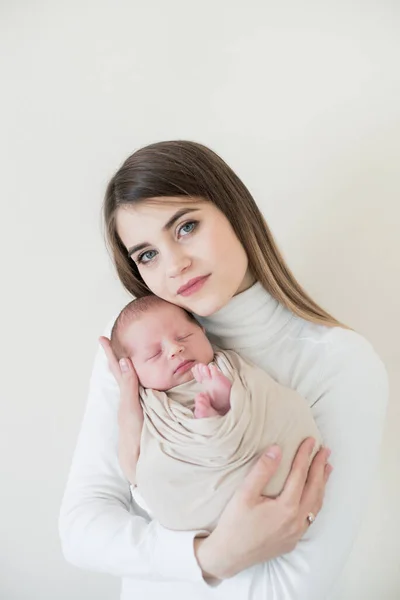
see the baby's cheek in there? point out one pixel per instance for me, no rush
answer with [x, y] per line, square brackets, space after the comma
[147, 375]
[207, 352]
[140, 374]
[157, 378]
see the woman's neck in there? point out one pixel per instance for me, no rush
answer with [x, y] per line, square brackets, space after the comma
[247, 282]
[252, 316]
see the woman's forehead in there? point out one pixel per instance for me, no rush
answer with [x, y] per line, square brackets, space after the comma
[164, 203]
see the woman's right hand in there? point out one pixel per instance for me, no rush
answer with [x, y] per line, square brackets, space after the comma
[130, 413]
[254, 528]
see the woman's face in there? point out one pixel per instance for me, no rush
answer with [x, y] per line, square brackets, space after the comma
[186, 251]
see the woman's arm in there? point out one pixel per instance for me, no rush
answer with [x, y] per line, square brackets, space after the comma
[350, 415]
[99, 533]
[101, 528]
[97, 529]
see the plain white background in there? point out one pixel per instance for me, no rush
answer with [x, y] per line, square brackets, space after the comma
[301, 98]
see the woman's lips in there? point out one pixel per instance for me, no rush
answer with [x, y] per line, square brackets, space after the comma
[194, 285]
[185, 366]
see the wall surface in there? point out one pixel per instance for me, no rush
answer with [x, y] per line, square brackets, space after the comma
[302, 99]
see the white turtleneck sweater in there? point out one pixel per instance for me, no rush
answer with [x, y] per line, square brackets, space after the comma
[103, 529]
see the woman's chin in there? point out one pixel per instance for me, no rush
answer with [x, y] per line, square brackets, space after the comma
[207, 308]
[205, 304]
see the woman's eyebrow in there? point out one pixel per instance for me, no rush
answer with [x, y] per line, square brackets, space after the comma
[176, 216]
[179, 213]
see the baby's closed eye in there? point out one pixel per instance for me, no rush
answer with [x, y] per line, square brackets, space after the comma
[158, 353]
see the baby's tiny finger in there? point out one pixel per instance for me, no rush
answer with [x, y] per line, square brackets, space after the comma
[214, 369]
[205, 372]
[195, 371]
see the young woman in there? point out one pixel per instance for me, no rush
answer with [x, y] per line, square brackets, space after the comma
[182, 225]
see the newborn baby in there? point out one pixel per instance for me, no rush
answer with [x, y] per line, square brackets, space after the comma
[208, 414]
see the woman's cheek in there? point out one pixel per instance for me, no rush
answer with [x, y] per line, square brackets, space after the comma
[152, 282]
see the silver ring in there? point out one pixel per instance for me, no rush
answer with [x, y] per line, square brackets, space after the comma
[310, 518]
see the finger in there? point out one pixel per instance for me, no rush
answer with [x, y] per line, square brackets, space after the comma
[196, 373]
[316, 472]
[129, 379]
[260, 474]
[111, 358]
[317, 476]
[205, 372]
[327, 472]
[129, 386]
[294, 486]
[202, 403]
[214, 370]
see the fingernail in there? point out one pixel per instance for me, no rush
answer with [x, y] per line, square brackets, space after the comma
[123, 365]
[328, 453]
[273, 452]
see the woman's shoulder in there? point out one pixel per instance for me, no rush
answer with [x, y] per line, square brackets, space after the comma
[348, 352]
[338, 339]
[347, 342]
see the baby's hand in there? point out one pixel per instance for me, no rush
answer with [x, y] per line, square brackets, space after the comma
[203, 408]
[216, 385]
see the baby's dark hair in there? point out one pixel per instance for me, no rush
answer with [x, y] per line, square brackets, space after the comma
[131, 312]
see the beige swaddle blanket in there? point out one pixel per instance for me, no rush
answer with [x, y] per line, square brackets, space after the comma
[189, 468]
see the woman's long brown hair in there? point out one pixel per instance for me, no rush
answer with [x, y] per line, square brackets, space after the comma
[188, 169]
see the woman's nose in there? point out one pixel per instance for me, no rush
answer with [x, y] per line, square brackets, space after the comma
[177, 264]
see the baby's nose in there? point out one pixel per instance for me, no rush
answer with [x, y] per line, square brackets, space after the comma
[174, 350]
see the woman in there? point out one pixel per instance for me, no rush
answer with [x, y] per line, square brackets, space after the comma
[182, 225]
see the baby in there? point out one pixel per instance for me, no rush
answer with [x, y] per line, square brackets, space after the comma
[163, 359]
[208, 414]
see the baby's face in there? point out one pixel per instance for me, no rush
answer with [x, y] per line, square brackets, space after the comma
[164, 345]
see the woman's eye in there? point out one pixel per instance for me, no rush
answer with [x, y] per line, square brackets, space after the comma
[146, 257]
[187, 227]
[149, 255]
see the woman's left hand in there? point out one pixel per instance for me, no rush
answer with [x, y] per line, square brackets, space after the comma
[130, 413]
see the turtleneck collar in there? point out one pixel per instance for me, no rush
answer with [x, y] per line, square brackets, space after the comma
[249, 318]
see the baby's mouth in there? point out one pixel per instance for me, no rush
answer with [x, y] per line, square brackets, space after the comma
[184, 366]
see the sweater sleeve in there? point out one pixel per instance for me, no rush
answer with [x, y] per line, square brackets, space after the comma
[100, 526]
[350, 414]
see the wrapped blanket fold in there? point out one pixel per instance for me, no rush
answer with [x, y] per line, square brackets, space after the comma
[189, 468]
